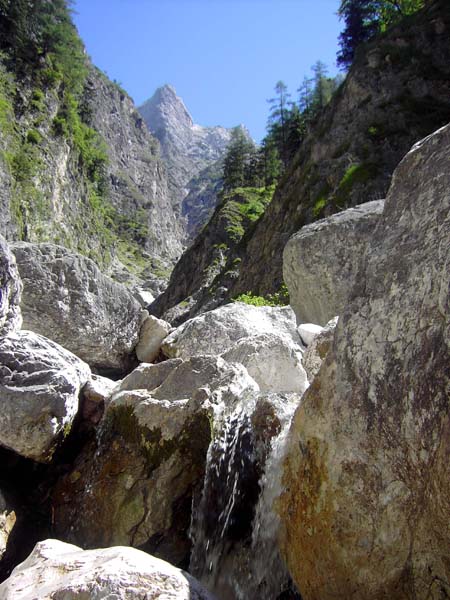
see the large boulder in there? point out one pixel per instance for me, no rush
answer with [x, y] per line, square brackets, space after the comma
[67, 299]
[218, 330]
[274, 362]
[10, 291]
[39, 391]
[58, 570]
[321, 260]
[366, 506]
[261, 338]
[137, 486]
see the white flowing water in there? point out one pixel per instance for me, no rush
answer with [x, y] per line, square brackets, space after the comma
[234, 527]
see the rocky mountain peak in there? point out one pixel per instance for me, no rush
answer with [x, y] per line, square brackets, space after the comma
[166, 111]
[190, 151]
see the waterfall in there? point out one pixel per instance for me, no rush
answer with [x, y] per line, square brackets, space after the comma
[234, 528]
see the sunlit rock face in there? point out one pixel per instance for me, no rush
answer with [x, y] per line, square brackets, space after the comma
[365, 508]
[58, 570]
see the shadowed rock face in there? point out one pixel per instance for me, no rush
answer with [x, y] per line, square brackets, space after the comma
[365, 508]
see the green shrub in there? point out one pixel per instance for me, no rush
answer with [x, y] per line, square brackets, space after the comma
[34, 137]
[318, 207]
[280, 298]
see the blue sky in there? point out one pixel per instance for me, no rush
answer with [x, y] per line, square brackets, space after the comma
[222, 56]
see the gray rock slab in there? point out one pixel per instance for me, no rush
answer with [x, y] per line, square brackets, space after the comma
[218, 330]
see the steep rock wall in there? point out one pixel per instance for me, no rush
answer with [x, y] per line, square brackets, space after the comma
[47, 193]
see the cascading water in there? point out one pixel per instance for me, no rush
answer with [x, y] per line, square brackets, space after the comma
[234, 528]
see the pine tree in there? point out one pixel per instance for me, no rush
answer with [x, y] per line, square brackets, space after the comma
[238, 160]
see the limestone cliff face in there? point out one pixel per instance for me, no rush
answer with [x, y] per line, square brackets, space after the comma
[396, 92]
[138, 181]
[47, 194]
[190, 151]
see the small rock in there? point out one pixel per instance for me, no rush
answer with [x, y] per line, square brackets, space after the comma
[308, 331]
[7, 522]
[96, 395]
[152, 333]
[317, 350]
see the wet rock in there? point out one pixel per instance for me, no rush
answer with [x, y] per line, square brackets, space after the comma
[136, 487]
[39, 388]
[58, 570]
[321, 260]
[151, 335]
[10, 291]
[96, 395]
[218, 330]
[318, 348]
[365, 509]
[67, 299]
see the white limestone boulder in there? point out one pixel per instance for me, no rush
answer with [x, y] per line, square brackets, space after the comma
[58, 570]
[218, 330]
[68, 299]
[308, 331]
[320, 262]
[40, 384]
[10, 291]
[152, 333]
[274, 362]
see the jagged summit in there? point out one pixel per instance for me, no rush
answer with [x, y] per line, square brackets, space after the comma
[191, 152]
[166, 110]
